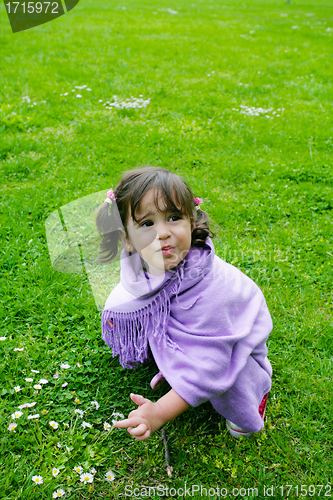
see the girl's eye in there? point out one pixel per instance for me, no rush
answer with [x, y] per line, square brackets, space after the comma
[149, 223]
[143, 224]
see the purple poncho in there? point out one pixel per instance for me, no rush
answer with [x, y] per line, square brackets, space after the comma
[206, 324]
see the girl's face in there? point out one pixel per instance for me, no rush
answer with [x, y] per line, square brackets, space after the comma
[162, 239]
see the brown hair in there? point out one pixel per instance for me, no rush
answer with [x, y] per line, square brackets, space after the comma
[177, 196]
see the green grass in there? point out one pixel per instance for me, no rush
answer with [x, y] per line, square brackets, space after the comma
[266, 181]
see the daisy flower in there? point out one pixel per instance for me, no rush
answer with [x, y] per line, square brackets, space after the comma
[33, 416]
[78, 365]
[17, 414]
[65, 384]
[78, 469]
[65, 366]
[56, 375]
[19, 349]
[117, 414]
[59, 493]
[3, 338]
[43, 381]
[29, 379]
[55, 472]
[59, 445]
[35, 371]
[109, 476]
[54, 424]
[12, 426]
[107, 427]
[93, 470]
[44, 412]
[27, 405]
[37, 386]
[37, 479]
[17, 388]
[79, 412]
[85, 424]
[77, 401]
[95, 404]
[86, 478]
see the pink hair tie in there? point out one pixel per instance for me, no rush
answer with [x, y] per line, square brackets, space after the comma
[110, 197]
[198, 201]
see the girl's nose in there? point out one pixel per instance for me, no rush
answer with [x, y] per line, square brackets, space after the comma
[162, 231]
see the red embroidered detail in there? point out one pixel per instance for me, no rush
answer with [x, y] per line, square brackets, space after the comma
[262, 406]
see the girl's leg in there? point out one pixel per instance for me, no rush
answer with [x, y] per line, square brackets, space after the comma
[237, 431]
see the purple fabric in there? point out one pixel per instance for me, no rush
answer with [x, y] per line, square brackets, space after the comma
[206, 323]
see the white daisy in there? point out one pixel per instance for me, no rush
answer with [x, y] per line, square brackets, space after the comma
[79, 412]
[85, 424]
[59, 493]
[93, 471]
[56, 375]
[65, 384]
[17, 388]
[95, 404]
[12, 426]
[55, 472]
[59, 445]
[78, 469]
[30, 417]
[37, 386]
[37, 479]
[19, 349]
[54, 424]
[65, 366]
[29, 379]
[35, 371]
[17, 414]
[3, 338]
[107, 427]
[117, 414]
[26, 405]
[43, 381]
[86, 478]
[109, 476]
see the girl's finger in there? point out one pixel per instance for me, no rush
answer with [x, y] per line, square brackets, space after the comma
[138, 400]
[145, 436]
[140, 430]
[128, 422]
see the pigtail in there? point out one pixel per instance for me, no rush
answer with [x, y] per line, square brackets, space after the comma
[108, 221]
[201, 229]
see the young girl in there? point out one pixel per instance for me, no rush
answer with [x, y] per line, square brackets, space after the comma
[204, 321]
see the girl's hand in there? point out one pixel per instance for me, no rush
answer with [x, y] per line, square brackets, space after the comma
[143, 421]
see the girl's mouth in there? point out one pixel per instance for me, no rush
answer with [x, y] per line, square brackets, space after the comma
[166, 251]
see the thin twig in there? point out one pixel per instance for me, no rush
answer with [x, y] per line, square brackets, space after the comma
[166, 453]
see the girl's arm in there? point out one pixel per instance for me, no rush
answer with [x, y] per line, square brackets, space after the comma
[149, 416]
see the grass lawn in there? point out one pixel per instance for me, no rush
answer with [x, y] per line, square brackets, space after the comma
[241, 107]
